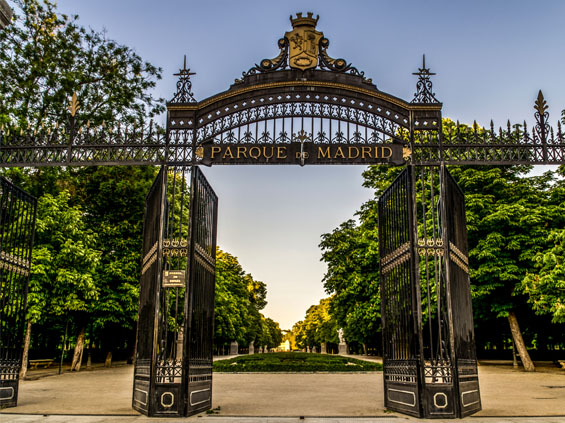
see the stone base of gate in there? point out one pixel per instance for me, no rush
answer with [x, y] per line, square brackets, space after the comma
[8, 393]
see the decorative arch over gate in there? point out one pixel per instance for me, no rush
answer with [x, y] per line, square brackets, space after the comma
[315, 109]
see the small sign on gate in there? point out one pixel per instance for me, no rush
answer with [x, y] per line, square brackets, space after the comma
[173, 278]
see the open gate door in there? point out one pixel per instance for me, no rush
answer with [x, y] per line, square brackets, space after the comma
[430, 365]
[464, 359]
[17, 228]
[399, 309]
[200, 300]
[173, 369]
[144, 399]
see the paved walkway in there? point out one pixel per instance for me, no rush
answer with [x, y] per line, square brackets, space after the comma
[104, 395]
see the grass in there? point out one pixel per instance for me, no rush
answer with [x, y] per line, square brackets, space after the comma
[295, 362]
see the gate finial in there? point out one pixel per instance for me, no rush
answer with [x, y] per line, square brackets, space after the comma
[424, 92]
[184, 86]
[542, 118]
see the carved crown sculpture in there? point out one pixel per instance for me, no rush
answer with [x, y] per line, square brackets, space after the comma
[301, 21]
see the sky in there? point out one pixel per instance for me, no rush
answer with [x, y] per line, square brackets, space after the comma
[491, 58]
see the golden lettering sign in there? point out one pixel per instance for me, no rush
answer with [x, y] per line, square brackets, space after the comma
[302, 153]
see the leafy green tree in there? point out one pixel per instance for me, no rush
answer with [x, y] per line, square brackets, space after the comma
[231, 300]
[298, 333]
[509, 218]
[318, 326]
[46, 57]
[239, 299]
[114, 201]
[271, 334]
[64, 262]
[275, 333]
[257, 293]
[351, 253]
[546, 287]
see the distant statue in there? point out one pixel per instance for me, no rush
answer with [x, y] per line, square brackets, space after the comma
[340, 336]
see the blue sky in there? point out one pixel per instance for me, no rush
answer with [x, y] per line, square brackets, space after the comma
[491, 58]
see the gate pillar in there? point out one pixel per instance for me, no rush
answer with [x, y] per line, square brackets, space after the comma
[17, 228]
[430, 365]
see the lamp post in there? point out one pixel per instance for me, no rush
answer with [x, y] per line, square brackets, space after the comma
[5, 14]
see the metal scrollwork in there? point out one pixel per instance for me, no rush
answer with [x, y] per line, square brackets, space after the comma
[424, 93]
[184, 86]
[337, 65]
[271, 65]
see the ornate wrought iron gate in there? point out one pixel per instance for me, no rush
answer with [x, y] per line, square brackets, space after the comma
[430, 367]
[145, 377]
[17, 228]
[399, 296]
[200, 304]
[463, 357]
[173, 371]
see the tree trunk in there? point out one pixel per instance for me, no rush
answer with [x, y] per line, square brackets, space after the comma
[25, 355]
[79, 348]
[519, 342]
[108, 362]
[133, 355]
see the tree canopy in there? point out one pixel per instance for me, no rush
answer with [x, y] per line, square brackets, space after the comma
[546, 287]
[515, 223]
[239, 300]
[46, 57]
[88, 252]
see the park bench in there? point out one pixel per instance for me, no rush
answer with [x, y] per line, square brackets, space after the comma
[45, 363]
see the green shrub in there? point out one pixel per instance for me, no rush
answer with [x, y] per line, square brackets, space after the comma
[295, 362]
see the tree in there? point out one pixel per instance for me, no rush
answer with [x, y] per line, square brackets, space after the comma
[114, 201]
[238, 301]
[352, 278]
[231, 300]
[46, 57]
[318, 326]
[63, 266]
[546, 287]
[509, 218]
[275, 333]
[257, 294]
